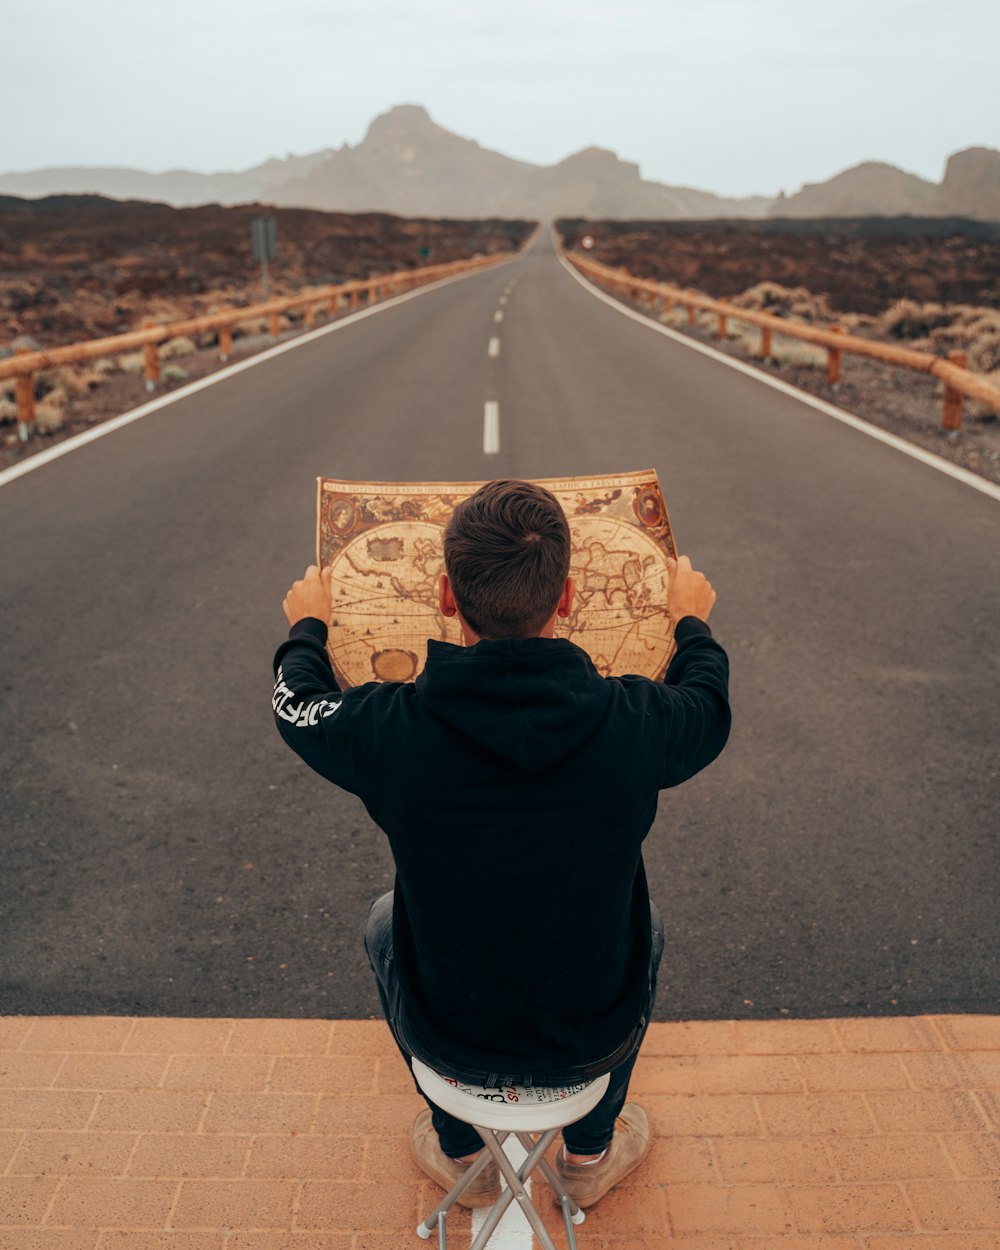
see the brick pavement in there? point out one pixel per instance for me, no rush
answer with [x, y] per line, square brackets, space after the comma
[166, 1134]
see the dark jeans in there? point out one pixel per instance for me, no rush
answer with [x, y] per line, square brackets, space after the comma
[587, 1136]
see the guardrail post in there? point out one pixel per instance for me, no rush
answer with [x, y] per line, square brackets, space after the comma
[765, 342]
[225, 342]
[833, 359]
[310, 316]
[275, 326]
[151, 361]
[692, 314]
[722, 329]
[953, 400]
[24, 392]
[355, 296]
[334, 303]
[668, 305]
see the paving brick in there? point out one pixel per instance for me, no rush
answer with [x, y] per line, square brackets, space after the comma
[891, 1157]
[386, 1115]
[179, 1037]
[748, 1074]
[75, 1033]
[741, 1209]
[988, 1101]
[73, 1154]
[23, 1199]
[234, 1204]
[806, 1115]
[313, 1157]
[114, 1071]
[392, 1076]
[130, 1239]
[361, 1037]
[385, 1158]
[830, 1073]
[971, 1069]
[151, 1111]
[655, 1241]
[691, 1037]
[894, 1035]
[326, 1074]
[260, 1113]
[292, 1241]
[279, 1037]
[343, 1206]
[13, 1031]
[850, 1209]
[19, 1070]
[811, 1242]
[45, 1108]
[702, 1115]
[215, 1155]
[9, 1143]
[50, 1239]
[970, 1032]
[673, 1159]
[628, 1209]
[947, 1206]
[369, 1239]
[89, 1203]
[974, 1154]
[666, 1074]
[218, 1072]
[775, 1159]
[926, 1111]
[937, 1241]
[788, 1037]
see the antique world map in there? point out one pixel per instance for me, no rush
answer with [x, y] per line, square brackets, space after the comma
[384, 541]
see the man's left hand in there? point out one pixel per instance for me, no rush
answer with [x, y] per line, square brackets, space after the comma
[309, 597]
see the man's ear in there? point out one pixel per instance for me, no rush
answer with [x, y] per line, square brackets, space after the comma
[446, 600]
[565, 605]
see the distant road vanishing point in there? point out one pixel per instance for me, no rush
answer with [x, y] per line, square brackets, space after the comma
[165, 855]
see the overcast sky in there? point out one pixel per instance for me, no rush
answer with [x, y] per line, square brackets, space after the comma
[733, 96]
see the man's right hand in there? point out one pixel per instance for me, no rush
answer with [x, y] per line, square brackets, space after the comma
[690, 593]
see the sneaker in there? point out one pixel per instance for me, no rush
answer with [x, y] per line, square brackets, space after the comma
[431, 1159]
[587, 1183]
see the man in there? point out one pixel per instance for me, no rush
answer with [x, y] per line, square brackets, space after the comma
[515, 786]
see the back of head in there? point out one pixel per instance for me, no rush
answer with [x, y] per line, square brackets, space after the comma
[507, 551]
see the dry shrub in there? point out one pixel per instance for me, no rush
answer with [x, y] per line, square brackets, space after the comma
[182, 346]
[132, 362]
[77, 381]
[8, 410]
[797, 303]
[50, 413]
[906, 319]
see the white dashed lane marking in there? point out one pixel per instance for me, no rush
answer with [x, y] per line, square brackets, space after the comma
[491, 428]
[498, 315]
[494, 347]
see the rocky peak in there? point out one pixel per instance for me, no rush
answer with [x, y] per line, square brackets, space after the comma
[971, 184]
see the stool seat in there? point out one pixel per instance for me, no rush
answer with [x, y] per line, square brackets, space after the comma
[514, 1108]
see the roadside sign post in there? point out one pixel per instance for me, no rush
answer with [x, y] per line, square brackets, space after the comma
[264, 245]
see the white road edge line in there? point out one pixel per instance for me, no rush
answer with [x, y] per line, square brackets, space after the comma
[503, 299]
[154, 405]
[928, 458]
[498, 315]
[494, 347]
[491, 427]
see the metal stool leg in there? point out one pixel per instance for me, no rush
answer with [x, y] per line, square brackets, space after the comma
[515, 1187]
[437, 1216]
[571, 1213]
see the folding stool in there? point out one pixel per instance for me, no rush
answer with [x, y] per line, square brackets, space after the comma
[495, 1114]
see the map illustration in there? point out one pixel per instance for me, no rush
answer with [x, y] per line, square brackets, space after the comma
[384, 541]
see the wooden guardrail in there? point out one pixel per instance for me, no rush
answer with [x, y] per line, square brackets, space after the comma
[959, 383]
[24, 364]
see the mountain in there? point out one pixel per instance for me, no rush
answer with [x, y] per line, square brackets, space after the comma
[970, 188]
[408, 164]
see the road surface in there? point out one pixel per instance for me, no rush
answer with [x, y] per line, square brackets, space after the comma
[164, 854]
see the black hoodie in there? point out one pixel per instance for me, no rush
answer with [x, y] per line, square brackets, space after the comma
[515, 786]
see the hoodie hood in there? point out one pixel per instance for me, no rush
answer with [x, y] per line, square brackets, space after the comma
[532, 701]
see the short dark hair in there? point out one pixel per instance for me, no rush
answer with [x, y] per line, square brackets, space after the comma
[507, 550]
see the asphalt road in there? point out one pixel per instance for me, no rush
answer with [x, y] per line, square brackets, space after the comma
[163, 853]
